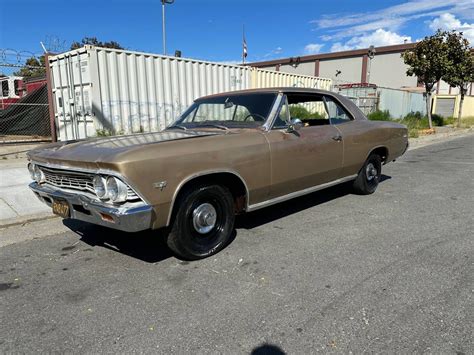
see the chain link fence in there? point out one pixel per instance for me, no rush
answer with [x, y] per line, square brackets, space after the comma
[24, 109]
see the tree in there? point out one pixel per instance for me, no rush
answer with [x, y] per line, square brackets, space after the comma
[93, 41]
[460, 71]
[428, 62]
[32, 68]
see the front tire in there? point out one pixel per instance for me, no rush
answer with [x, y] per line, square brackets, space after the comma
[204, 222]
[369, 176]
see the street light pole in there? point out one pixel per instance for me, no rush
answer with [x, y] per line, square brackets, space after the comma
[371, 54]
[163, 2]
[164, 27]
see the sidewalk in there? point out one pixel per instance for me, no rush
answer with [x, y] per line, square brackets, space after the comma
[19, 205]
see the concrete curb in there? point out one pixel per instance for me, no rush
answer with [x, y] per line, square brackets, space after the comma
[7, 223]
[423, 141]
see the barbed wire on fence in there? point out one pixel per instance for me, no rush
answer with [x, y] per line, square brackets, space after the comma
[13, 56]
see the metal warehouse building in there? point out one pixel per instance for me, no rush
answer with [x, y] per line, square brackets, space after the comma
[385, 68]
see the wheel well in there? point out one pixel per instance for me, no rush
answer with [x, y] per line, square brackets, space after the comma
[382, 152]
[231, 181]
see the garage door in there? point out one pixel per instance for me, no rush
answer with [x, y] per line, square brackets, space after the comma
[445, 106]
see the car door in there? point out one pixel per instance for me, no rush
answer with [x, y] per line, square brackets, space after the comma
[302, 159]
[353, 133]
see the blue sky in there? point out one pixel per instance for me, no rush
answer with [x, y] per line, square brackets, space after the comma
[212, 29]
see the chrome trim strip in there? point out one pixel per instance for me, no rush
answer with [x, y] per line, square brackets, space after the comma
[273, 113]
[89, 171]
[203, 173]
[295, 194]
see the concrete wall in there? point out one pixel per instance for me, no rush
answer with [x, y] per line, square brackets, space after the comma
[389, 70]
[306, 68]
[443, 89]
[467, 108]
[351, 69]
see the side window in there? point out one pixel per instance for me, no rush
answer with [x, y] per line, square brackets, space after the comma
[282, 119]
[16, 85]
[337, 113]
[5, 90]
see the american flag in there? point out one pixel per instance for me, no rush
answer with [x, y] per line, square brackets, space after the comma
[244, 45]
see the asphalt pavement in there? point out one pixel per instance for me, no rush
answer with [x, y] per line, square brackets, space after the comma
[328, 272]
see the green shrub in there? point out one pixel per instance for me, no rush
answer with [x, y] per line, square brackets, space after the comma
[437, 120]
[299, 111]
[449, 120]
[379, 116]
[103, 133]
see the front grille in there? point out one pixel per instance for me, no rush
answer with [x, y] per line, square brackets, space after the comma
[68, 179]
[76, 180]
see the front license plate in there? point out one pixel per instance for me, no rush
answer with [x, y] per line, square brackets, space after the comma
[61, 208]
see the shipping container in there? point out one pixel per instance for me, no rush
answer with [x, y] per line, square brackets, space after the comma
[107, 91]
[398, 102]
[262, 78]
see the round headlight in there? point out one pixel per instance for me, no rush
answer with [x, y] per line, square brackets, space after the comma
[31, 169]
[116, 189]
[38, 174]
[99, 187]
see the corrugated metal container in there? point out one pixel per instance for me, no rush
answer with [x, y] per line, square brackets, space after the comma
[400, 102]
[262, 78]
[125, 92]
[107, 91]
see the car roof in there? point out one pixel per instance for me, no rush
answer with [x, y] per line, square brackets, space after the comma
[271, 90]
[351, 106]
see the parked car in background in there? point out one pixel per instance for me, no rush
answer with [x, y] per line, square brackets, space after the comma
[226, 154]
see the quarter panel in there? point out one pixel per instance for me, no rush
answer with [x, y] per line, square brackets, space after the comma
[360, 137]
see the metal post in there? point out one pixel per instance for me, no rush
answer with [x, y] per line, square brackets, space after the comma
[49, 85]
[368, 71]
[371, 54]
[163, 23]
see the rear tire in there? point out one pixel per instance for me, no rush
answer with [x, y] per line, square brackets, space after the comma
[204, 222]
[369, 176]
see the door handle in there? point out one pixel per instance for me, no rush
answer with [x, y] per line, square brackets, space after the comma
[337, 138]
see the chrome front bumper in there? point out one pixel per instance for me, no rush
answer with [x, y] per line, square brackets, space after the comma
[129, 219]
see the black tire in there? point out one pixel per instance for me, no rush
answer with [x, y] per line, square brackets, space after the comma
[369, 176]
[189, 237]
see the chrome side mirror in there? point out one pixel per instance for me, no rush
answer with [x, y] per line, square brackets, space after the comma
[295, 125]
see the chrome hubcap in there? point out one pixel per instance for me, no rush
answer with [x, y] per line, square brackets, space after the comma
[370, 172]
[204, 218]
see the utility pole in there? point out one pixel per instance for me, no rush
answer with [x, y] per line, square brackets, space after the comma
[371, 54]
[163, 3]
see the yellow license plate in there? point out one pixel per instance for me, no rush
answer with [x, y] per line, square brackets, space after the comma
[61, 208]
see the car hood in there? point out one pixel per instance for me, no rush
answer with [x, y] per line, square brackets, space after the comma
[93, 151]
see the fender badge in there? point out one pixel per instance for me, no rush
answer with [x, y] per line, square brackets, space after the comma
[160, 185]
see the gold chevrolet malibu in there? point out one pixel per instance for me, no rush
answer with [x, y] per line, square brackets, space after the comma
[227, 154]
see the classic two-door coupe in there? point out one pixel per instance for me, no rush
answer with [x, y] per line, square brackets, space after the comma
[226, 154]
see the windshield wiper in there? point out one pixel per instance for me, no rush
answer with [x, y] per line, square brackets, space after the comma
[178, 126]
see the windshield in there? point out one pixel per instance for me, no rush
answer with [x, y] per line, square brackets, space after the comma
[230, 111]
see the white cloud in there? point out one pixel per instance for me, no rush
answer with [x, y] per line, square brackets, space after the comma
[339, 26]
[448, 22]
[313, 48]
[273, 52]
[378, 38]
